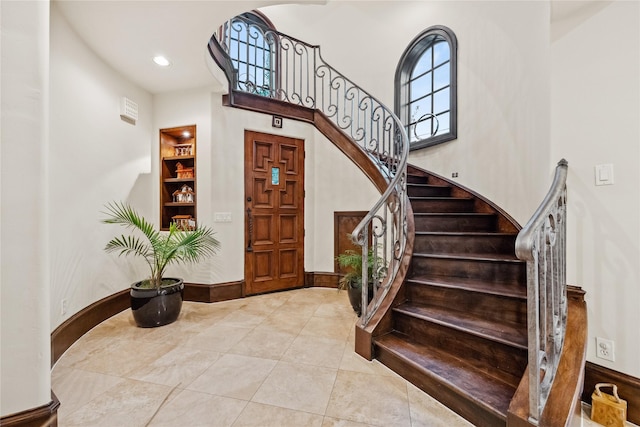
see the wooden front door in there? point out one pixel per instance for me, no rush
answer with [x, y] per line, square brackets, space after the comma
[274, 212]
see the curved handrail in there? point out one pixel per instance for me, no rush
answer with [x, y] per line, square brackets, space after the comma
[542, 244]
[525, 241]
[294, 71]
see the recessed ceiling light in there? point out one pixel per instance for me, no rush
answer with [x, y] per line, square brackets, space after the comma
[161, 61]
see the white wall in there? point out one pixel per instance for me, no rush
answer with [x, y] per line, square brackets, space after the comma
[596, 120]
[502, 150]
[94, 158]
[24, 311]
[331, 181]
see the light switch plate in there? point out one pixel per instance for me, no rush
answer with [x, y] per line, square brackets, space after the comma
[222, 217]
[604, 174]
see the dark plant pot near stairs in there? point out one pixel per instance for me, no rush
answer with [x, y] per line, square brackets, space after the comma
[153, 307]
[355, 298]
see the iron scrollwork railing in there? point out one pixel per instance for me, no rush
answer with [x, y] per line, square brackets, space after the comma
[272, 64]
[542, 244]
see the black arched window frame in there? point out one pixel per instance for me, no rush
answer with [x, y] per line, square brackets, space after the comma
[418, 47]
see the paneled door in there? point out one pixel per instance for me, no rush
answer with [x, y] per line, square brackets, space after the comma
[274, 212]
[343, 225]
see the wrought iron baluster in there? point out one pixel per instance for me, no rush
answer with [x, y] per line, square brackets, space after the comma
[542, 244]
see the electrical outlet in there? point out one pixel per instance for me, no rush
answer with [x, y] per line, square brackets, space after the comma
[604, 349]
[63, 307]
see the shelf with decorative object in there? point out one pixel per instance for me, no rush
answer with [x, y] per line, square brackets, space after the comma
[178, 183]
[175, 204]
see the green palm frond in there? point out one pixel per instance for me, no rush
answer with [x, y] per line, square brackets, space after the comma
[126, 245]
[125, 215]
[160, 249]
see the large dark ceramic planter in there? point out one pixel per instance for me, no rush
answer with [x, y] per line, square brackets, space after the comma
[156, 307]
[355, 298]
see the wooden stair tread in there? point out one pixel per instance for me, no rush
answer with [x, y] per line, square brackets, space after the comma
[438, 198]
[416, 184]
[464, 233]
[510, 334]
[454, 214]
[452, 372]
[487, 257]
[510, 290]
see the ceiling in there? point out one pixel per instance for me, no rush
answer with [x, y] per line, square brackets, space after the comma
[127, 34]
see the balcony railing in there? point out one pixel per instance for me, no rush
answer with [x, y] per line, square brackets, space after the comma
[542, 244]
[265, 62]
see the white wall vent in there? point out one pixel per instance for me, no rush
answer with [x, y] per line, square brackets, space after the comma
[128, 109]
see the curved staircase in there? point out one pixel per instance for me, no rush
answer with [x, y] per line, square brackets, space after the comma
[460, 334]
[452, 318]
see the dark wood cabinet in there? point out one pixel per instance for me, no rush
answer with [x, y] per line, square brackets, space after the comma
[178, 178]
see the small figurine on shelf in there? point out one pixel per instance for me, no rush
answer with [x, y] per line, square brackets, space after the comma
[184, 222]
[182, 172]
[183, 149]
[184, 195]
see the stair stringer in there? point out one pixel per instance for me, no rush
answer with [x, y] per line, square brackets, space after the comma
[320, 121]
[381, 322]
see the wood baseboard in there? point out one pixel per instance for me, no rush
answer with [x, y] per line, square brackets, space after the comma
[42, 416]
[83, 321]
[80, 323]
[321, 279]
[628, 388]
[213, 293]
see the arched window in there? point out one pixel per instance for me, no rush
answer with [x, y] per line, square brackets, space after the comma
[425, 88]
[252, 51]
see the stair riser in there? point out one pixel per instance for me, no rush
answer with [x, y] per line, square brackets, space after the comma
[417, 179]
[491, 271]
[509, 361]
[512, 310]
[465, 244]
[461, 223]
[462, 404]
[442, 205]
[422, 191]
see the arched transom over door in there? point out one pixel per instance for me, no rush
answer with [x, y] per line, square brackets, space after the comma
[274, 212]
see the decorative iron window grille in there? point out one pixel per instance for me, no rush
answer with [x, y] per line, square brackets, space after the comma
[425, 88]
[252, 49]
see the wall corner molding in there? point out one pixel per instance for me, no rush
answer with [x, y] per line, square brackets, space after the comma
[42, 416]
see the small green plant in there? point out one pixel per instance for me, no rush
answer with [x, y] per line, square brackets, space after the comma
[158, 249]
[353, 261]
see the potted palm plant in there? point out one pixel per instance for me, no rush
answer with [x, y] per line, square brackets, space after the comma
[157, 300]
[352, 280]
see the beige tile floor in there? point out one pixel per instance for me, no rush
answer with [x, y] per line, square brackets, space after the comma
[283, 359]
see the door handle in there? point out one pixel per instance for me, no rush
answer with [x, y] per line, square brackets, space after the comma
[250, 226]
